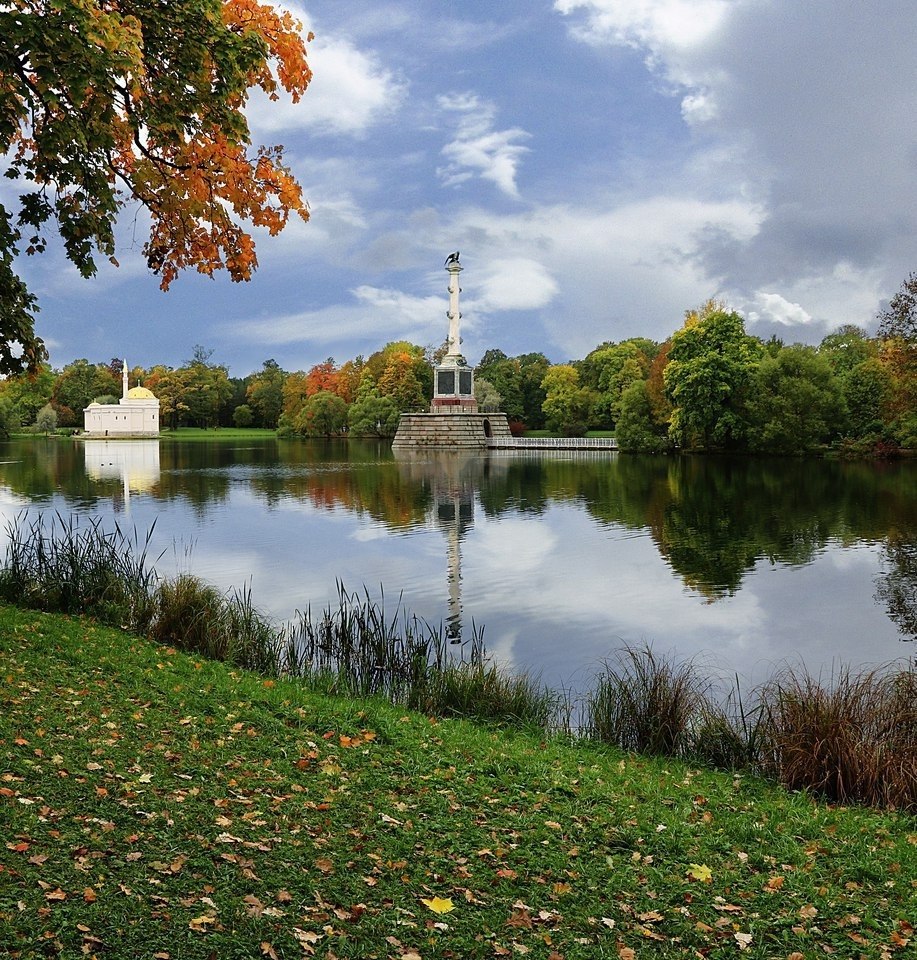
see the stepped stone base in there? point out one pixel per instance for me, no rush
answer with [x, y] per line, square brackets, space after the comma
[450, 431]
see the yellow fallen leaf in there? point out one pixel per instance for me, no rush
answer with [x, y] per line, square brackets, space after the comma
[439, 904]
[700, 871]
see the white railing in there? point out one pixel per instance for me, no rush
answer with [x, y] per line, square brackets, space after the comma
[553, 443]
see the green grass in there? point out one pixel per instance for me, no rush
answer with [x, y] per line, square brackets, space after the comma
[157, 804]
[218, 433]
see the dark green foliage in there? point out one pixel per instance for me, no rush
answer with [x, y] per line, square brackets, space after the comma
[637, 430]
[796, 402]
[708, 380]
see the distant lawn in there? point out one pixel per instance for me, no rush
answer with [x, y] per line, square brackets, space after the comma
[218, 433]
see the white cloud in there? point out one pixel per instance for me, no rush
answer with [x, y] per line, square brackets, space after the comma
[654, 24]
[478, 147]
[372, 313]
[808, 108]
[350, 92]
[772, 306]
[515, 283]
[629, 270]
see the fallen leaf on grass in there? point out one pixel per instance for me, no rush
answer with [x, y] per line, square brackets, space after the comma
[701, 872]
[743, 940]
[439, 904]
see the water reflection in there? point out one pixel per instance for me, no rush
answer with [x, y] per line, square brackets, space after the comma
[453, 480]
[559, 556]
[133, 463]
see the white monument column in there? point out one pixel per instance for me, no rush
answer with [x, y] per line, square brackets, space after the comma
[453, 379]
[453, 313]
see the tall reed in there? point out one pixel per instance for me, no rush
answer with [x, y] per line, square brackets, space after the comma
[359, 649]
[59, 565]
[851, 737]
[648, 704]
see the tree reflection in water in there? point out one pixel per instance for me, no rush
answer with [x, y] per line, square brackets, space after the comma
[713, 520]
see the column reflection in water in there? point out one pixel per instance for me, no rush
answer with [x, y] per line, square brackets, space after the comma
[134, 462]
[452, 479]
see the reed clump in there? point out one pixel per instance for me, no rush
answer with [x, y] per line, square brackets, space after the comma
[358, 649]
[650, 704]
[57, 565]
[851, 738]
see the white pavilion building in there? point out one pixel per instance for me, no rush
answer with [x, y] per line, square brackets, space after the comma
[136, 414]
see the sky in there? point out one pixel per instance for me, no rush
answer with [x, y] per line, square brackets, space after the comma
[601, 165]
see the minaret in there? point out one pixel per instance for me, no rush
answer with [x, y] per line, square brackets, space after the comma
[124, 385]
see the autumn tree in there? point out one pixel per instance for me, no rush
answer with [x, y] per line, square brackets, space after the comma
[323, 376]
[169, 388]
[401, 371]
[323, 415]
[567, 405]
[104, 105]
[899, 319]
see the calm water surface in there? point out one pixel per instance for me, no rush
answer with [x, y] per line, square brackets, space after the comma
[561, 558]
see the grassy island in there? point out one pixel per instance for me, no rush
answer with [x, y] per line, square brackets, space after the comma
[159, 804]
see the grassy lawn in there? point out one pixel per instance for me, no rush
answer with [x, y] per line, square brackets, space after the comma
[218, 433]
[158, 805]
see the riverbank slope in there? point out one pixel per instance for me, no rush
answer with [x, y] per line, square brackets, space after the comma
[160, 805]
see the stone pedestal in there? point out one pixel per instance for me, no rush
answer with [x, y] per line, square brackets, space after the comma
[453, 389]
[448, 429]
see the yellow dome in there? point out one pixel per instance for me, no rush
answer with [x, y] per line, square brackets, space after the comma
[140, 393]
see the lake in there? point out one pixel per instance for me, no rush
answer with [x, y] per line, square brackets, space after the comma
[562, 558]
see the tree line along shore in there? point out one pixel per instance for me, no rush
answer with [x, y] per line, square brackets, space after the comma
[710, 387]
